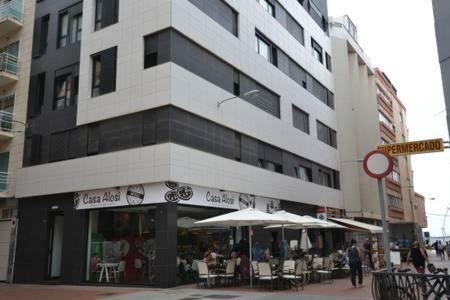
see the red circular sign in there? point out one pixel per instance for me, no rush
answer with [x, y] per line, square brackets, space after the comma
[378, 164]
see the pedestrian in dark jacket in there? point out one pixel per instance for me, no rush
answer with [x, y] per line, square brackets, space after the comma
[417, 256]
[354, 255]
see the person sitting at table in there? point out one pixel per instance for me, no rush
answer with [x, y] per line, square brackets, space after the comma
[234, 256]
[258, 252]
[95, 260]
[284, 250]
[209, 257]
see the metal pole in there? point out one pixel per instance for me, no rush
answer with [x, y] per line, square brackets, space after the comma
[250, 242]
[387, 252]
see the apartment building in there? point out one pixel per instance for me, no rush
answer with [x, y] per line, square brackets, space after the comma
[16, 30]
[441, 10]
[150, 115]
[370, 114]
[402, 203]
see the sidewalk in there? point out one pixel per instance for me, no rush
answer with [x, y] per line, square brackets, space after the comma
[340, 289]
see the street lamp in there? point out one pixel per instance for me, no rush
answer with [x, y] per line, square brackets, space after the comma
[253, 93]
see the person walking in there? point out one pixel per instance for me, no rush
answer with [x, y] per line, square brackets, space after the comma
[417, 256]
[368, 248]
[441, 248]
[354, 255]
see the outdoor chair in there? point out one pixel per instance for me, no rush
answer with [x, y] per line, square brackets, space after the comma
[317, 263]
[255, 270]
[229, 274]
[306, 272]
[119, 271]
[204, 274]
[265, 274]
[296, 277]
[288, 266]
[327, 270]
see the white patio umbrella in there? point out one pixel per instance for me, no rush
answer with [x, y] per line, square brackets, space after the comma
[246, 217]
[297, 221]
[303, 223]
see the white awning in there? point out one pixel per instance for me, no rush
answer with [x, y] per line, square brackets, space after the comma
[359, 225]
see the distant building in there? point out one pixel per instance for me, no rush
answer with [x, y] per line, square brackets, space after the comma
[442, 24]
[16, 33]
[370, 114]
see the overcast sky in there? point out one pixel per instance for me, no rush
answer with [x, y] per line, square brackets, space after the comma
[398, 36]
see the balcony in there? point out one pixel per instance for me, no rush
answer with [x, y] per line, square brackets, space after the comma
[11, 16]
[4, 181]
[9, 69]
[6, 125]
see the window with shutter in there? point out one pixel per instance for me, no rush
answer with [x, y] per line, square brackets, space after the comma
[104, 72]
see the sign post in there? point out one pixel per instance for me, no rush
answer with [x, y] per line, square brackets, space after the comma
[378, 164]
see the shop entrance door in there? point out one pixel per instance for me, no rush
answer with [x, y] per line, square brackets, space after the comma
[55, 242]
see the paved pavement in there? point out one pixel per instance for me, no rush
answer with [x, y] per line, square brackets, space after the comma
[340, 289]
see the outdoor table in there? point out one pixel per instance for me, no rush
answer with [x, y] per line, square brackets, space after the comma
[105, 269]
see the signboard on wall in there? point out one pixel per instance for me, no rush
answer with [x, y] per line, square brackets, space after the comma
[179, 193]
[410, 148]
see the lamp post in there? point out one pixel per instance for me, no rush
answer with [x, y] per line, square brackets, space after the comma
[443, 224]
[253, 93]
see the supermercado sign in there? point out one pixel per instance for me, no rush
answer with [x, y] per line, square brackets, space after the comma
[182, 194]
[409, 148]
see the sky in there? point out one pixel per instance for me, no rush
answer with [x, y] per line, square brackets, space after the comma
[399, 38]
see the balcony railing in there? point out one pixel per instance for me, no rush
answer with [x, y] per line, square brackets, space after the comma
[9, 63]
[6, 121]
[4, 181]
[11, 9]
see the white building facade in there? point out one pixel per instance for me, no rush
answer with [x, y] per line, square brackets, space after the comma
[140, 144]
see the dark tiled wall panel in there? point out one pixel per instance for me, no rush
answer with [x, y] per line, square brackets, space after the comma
[219, 11]
[171, 124]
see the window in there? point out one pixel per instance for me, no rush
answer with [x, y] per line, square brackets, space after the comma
[150, 51]
[395, 201]
[36, 94]
[303, 173]
[236, 83]
[383, 119]
[324, 178]
[69, 29]
[63, 35]
[104, 72]
[328, 61]
[40, 36]
[316, 51]
[75, 29]
[394, 175]
[66, 87]
[271, 166]
[106, 13]
[32, 150]
[326, 134]
[4, 167]
[263, 48]
[266, 49]
[269, 7]
[383, 95]
[300, 119]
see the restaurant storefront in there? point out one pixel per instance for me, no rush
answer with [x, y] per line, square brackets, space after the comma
[141, 234]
